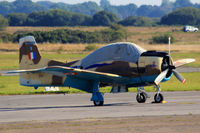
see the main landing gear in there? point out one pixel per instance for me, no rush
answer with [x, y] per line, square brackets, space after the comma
[97, 96]
[142, 95]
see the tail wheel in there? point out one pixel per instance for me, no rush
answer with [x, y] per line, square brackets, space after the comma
[98, 103]
[141, 98]
[158, 98]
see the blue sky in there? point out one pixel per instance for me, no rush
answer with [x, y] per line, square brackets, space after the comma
[115, 2]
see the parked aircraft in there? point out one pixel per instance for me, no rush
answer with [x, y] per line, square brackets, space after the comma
[120, 65]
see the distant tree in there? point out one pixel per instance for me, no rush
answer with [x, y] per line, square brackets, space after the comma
[91, 8]
[122, 11]
[26, 6]
[182, 16]
[104, 3]
[197, 5]
[3, 23]
[16, 19]
[144, 10]
[165, 3]
[47, 4]
[104, 18]
[150, 11]
[34, 19]
[57, 18]
[182, 3]
[6, 7]
[136, 21]
[80, 19]
[167, 6]
[87, 8]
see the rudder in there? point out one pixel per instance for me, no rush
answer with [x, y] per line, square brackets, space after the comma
[30, 58]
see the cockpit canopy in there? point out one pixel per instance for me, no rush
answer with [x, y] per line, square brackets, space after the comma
[122, 51]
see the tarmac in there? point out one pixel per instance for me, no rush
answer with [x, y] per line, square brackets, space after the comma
[78, 106]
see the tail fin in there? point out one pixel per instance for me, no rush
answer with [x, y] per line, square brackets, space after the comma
[29, 56]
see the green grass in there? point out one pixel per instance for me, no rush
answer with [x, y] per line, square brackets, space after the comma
[11, 61]
[192, 83]
[9, 85]
[64, 56]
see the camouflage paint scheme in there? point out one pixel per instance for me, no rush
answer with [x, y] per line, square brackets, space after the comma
[134, 74]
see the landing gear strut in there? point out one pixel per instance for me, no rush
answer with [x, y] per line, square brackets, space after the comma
[97, 96]
[141, 95]
[158, 98]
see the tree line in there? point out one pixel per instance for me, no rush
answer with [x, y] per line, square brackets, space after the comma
[90, 8]
[58, 17]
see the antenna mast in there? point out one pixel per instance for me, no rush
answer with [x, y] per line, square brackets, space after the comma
[169, 42]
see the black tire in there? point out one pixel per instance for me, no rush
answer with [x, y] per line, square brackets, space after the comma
[141, 98]
[159, 98]
[98, 103]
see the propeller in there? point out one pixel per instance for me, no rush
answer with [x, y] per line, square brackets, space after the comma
[179, 77]
[172, 68]
[181, 62]
[161, 76]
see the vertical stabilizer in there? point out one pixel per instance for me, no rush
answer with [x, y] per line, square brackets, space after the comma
[29, 58]
[29, 55]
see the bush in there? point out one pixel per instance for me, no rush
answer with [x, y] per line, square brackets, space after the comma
[3, 23]
[104, 18]
[137, 21]
[163, 39]
[69, 36]
[90, 47]
[182, 16]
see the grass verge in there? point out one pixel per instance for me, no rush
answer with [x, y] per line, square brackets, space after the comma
[9, 85]
[11, 61]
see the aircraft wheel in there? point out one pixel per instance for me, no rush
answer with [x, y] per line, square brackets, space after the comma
[158, 98]
[98, 103]
[141, 98]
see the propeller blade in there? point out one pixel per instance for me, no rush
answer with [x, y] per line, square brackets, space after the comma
[181, 62]
[178, 76]
[161, 76]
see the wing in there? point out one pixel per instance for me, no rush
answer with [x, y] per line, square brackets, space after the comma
[181, 62]
[76, 73]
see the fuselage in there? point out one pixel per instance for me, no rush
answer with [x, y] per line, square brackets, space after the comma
[134, 65]
[141, 73]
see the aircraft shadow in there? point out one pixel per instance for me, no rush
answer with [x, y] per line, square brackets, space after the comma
[60, 107]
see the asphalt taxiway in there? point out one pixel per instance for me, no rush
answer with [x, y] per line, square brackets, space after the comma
[78, 106]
